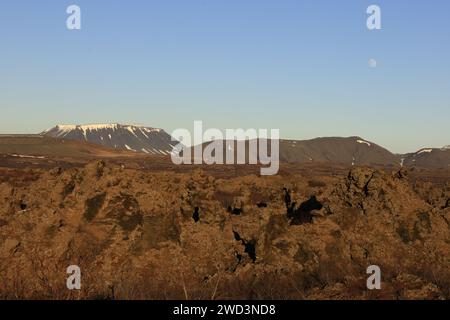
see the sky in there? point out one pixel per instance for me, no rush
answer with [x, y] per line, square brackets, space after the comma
[301, 66]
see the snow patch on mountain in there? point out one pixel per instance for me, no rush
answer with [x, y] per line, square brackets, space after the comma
[424, 151]
[363, 142]
[128, 148]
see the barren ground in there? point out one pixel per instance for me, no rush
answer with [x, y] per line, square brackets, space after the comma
[143, 229]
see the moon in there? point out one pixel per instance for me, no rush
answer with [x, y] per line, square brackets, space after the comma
[372, 63]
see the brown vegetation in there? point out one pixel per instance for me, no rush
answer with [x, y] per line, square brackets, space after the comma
[151, 234]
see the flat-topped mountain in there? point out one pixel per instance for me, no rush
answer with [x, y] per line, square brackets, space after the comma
[117, 136]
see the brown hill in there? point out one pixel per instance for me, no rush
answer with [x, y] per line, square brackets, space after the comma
[38, 147]
[428, 158]
[351, 151]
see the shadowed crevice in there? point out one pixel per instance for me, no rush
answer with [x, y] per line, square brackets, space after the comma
[301, 214]
[249, 246]
[196, 215]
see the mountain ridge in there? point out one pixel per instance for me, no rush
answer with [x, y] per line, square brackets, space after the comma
[131, 137]
[340, 150]
[353, 150]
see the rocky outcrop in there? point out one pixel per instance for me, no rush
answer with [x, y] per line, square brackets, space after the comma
[161, 235]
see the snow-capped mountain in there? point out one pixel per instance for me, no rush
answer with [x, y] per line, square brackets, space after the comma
[117, 136]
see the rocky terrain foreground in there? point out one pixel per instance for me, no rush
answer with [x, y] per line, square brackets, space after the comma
[140, 234]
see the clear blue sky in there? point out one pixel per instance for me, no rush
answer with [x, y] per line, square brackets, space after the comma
[301, 66]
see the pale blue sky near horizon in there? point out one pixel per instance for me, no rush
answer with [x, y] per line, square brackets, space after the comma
[300, 66]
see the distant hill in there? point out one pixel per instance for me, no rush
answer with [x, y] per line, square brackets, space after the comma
[37, 146]
[428, 158]
[117, 136]
[118, 139]
[347, 151]
[350, 151]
